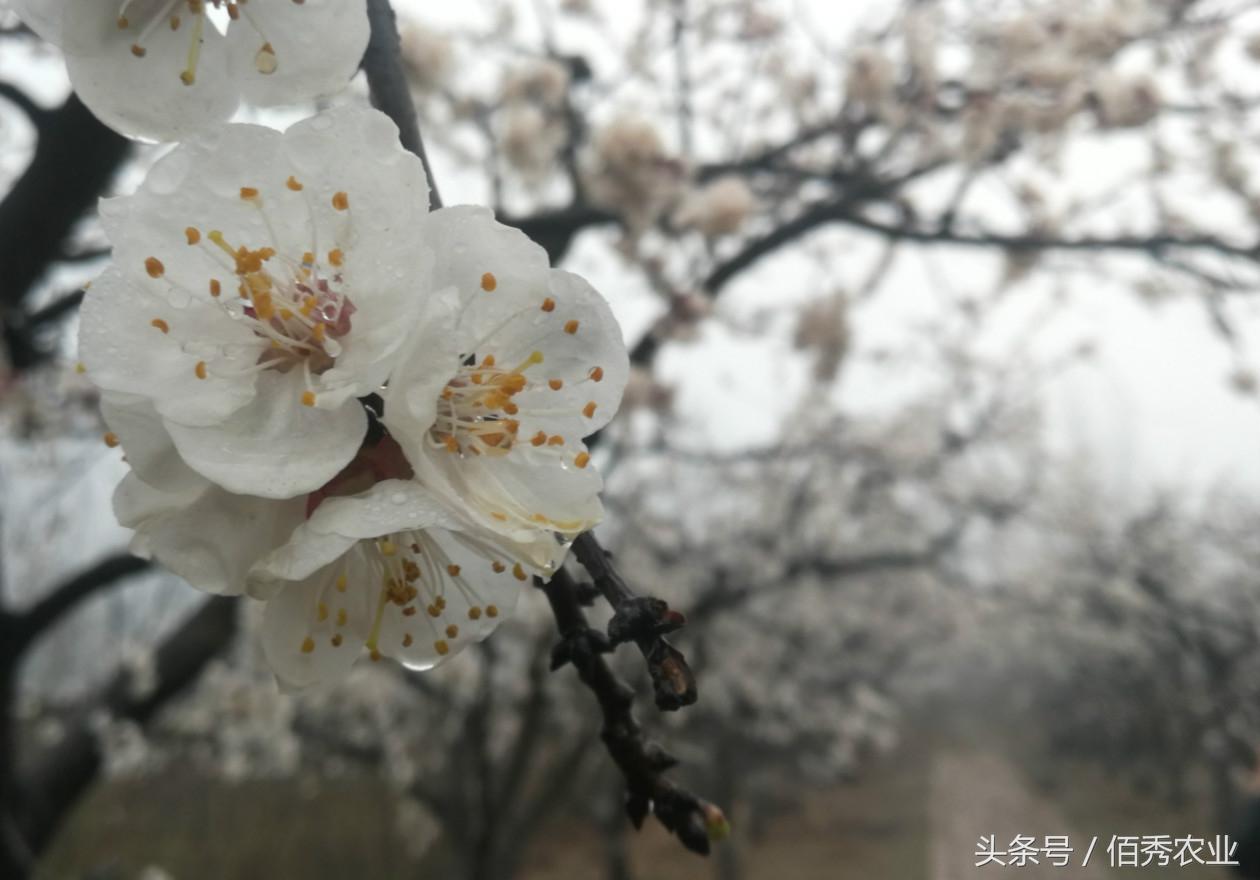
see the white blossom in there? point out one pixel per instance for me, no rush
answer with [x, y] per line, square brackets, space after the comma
[492, 400]
[260, 283]
[718, 208]
[162, 69]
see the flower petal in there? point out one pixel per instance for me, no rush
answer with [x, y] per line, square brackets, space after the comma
[289, 52]
[312, 632]
[148, 446]
[210, 539]
[276, 447]
[139, 91]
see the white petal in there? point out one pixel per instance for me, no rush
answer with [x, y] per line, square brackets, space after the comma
[276, 447]
[315, 49]
[125, 353]
[210, 539]
[431, 359]
[340, 523]
[145, 96]
[311, 610]
[148, 446]
[41, 16]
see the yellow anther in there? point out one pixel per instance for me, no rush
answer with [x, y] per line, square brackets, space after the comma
[571, 327]
[80, 368]
[174, 22]
[519, 573]
[489, 361]
[498, 567]
[249, 192]
[321, 611]
[433, 611]
[582, 459]
[535, 357]
[501, 517]
[341, 583]
[451, 444]
[441, 647]
[555, 440]
[492, 611]
[375, 656]
[111, 439]
[293, 184]
[336, 640]
[200, 369]
[474, 613]
[318, 332]
[539, 439]
[388, 548]
[308, 258]
[308, 398]
[193, 234]
[215, 287]
[407, 640]
[489, 282]
[187, 77]
[342, 617]
[161, 325]
[154, 267]
[123, 23]
[549, 305]
[452, 631]
[336, 257]
[308, 645]
[597, 373]
[340, 201]
[589, 410]
[138, 50]
[555, 384]
[452, 570]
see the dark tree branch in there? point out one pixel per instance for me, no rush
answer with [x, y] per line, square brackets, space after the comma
[642, 763]
[75, 160]
[18, 98]
[387, 80]
[645, 620]
[48, 611]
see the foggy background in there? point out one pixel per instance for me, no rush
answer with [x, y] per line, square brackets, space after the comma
[942, 432]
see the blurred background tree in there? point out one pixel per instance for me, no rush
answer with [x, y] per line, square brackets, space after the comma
[941, 432]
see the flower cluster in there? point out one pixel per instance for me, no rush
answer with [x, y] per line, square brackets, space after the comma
[368, 415]
[161, 69]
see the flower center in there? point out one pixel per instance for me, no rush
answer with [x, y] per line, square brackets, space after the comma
[476, 408]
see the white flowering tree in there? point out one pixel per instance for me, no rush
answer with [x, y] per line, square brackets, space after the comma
[366, 411]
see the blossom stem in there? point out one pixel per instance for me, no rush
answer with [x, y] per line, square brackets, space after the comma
[387, 81]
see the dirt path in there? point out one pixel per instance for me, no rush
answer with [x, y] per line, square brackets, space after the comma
[973, 795]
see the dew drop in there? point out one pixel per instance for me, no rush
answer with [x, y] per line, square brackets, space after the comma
[398, 498]
[265, 61]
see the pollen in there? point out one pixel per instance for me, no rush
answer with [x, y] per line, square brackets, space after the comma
[498, 567]
[555, 384]
[293, 183]
[342, 617]
[340, 201]
[538, 439]
[571, 326]
[111, 439]
[452, 631]
[492, 611]
[308, 645]
[407, 640]
[389, 548]
[582, 459]
[433, 611]
[555, 440]
[442, 647]
[519, 573]
[249, 192]
[215, 287]
[154, 267]
[597, 373]
[200, 369]
[308, 398]
[161, 325]
[474, 613]
[549, 305]
[452, 570]
[193, 234]
[589, 410]
[138, 50]
[80, 368]
[336, 640]
[489, 282]
[187, 77]
[123, 23]
[336, 257]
